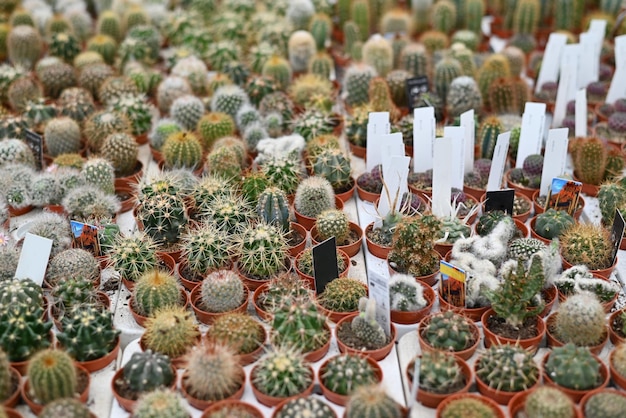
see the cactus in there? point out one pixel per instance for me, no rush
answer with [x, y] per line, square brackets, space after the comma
[587, 244]
[360, 15]
[605, 404]
[508, 368]
[193, 70]
[303, 88]
[102, 124]
[573, 367]
[163, 217]
[154, 290]
[552, 223]
[64, 46]
[282, 172]
[182, 150]
[279, 70]
[305, 263]
[366, 328]
[54, 227]
[446, 70]
[549, 401]
[203, 363]
[618, 359]
[273, 208]
[113, 89]
[303, 406]
[170, 331]
[6, 377]
[292, 316]
[24, 46]
[187, 110]
[38, 112]
[488, 133]
[414, 59]
[246, 116]
[160, 403]
[469, 405]
[222, 291]
[133, 256]
[282, 372]
[262, 250]
[65, 407]
[223, 162]
[378, 54]
[380, 98]
[76, 103]
[88, 332]
[526, 16]
[52, 375]
[72, 262]
[333, 223]
[589, 158]
[104, 45]
[122, 150]
[611, 197]
[161, 130]
[9, 257]
[228, 212]
[57, 77]
[215, 125]
[110, 24]
[372, 401]
[239, 331]
[314, 195]
[443, 16]
[147, 371]
[581, 320]
[23, 91]
[412, 246]
[342, 295]
[405, 294]
[523, 248]
[87, 201]
[62, 136]
[334, 166]
[356, 83]
[74, 291]
[439, 373]
[204, 249]
[137, 109]
[451, 230]
[312, 123]
[449, 331]
[301, 48]
[169, 89]
[495, 67]
[229, 99]
[396, 80]
[344, 373]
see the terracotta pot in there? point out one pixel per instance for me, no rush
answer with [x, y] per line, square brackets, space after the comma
[424, 194]
[500, 396]
[156, 154]
[521, 226]
[14, 397]
[549, 297]
[335, 316]
[618, 379]
[207, 317]
[517, 403]
[540, 209]
[429, 279]
[141, 319]
[264, 315]
[13, 211]
[126, 193]
[601, 272]
[465, 354]
[413, 317]
[519, 189]
[376, 250]
[310, 280]
[529, 343]
[608, 305]
[553, 341]
[133, 178]
[231, 403]
[12, 413]
[347, 195]
[335, 397]
[102, 362]
[473, 191]
[128, 404]
[492, 404]
[202, 404]
[534, 234]
[431, 399]
[293, 251]
[576, 395]
[272, 401]
[350, 249]
[366, 196]
[377, 355]
[473, 313]
[358, 151]
[616, 338]
[308, 222]
[590, 394]
[37, 407]
[55, 209]
[588, 189]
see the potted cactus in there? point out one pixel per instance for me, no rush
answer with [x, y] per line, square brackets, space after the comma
[335, 223]
[550, 224]
[220, 292]
[579, 279]
[341, 375]
[10, 380]
[132, 256]
[603, 402]
[594, 163]
[527, 179]
[154, 290]
[543, 401]
[341, 297]
[449, 331]
[242, 333]
[588, 244]
[369, 185]
[303, 406]
[617, 365]
[313, 196]
[409, 300]
[305, 269]
[161, 402]
[269, 296]
[372, 400]
[335, 167]
[144, 372]
[164, 218]
[468, 403]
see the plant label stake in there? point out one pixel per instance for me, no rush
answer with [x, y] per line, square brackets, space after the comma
[85, 236]
[423, 138]
[586, 59]
[500, 152]
[396, 170]
[457, 154]
[414, 88]
[35, 143]
[556, 158]
[34, 258]
[452, 284]
[467, 122]
[618, 84]
[442, 178]
[416, 381]
[563, 195]
[392, 146]
[597, 28]
[377, 126]
[324, 270]
[567, 82]
[551, 60]
[580, 129]
[617, 232]
[379, 291]
[500, 200]
[531, 134]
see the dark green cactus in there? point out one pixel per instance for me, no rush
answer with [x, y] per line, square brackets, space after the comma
[290, 317]
[552, 223]
[366, 328]
[346, 372]
[148, 370]
[509, 368]
[273, 207]
[163, 217]
[439, 373]
[573, 367]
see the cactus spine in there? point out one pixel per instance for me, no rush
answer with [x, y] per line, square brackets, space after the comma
[52, 375]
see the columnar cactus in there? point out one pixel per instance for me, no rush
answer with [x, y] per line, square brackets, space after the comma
[549, 401]
[171, 331]
[495, 67]
[552, 223]
[24, 46]
[356, 83]
[377, 52]
[147, 371]
[222, 291]
[52, 375]
[282, 372]
[580, 320]
[154, 290]
[301, 48]
[573, 367]
[160, 403]
[509, 368]
[589, 157]
[372, 401]
[446, 70]
[360, 15]
[526, 17]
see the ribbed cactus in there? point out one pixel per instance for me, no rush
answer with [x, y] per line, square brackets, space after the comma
[377, 52]
[187, 111]
[52, 375]
[470, 405]
[446, 70]
[573, 367]
[283, 172]
[65, 407]
[163, 217]
[526, 17]
[335, 167]
[205, 248]
[488, 133]
[148, 370]
[182, 150]
[581, 320]
[611, 196]
[360, 15]
[589, 157]
[548, 401]
[380, 98]
[122, 150]
[508, 368]
[100, 173]
[133, 256]
[356, 83]
[24, 46]
[443, 16]
[333, 223]
[160, 403]
[262, 250]
[587, 244]
[102, 124]
[88, 332]
[110, 24]
[344, 373]
[171, 331]
[372, 401]
[56, 77]
[282, 372]
[62, 136]
[6, 379]
[495, 67]
[239, 331]
[439, 373]
[76, 103]
[568, 14]
[212, 372]
[222, 291]
[366, 328]
[273, 207]
[23, 91]
[279, 70]
[137, 109]
[448, 331]
[154, 290]
[552, 223]
[290, 317]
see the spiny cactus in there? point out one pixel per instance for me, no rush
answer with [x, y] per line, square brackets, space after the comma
[333, 223]
[372, 401]
[62, 135]
[102, 124]
[239, 331]
[122, 150]
[302, 406]
[605, 404]
[160, 403]
[52, 375]
[279, 70]
[573, 367]
[169, 89]
[581, 320]
[76, 103]
[222, 291]
[187, 111]
[366, 328]
[407, 255]
[87, 201]
[170, 331]
[523, 248]
[282, 372]
[6, 378]
[439, 373]
[552, 223]
[549, 401]
[182, 150]
[154, 290]
[72, 262]
[147, 371]
[100, 173]
[470, 405]
[587, 244]
[161, 130]
[342, 295]
[406, 294]
[377, 52]
[495, 67]
[262, 250]
[301, 48]
[133, 256]
[24, 46]
[65, 407]
[205, 248]
[273, 207]
[356, 83]
[590, 157]
[136, 108]
[509, 368]
[291, 316]
[344, 373]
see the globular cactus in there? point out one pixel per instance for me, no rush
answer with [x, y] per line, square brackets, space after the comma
[122, 150]
[163, 217]
[552, 223]
[170, 331]
[580, 320]
[617, 125]
[282, 372]
[439, 373]
[62, 136]
[215, 125]
[366, 328]
[56, 77]
[333, 223]
[372, 401]
[414, 59]
[6, 379]
[273, 208]
[38, 112]
[446, 71]
[303, 88]
[495, 67]
[262, 250]
[169, 89]
[253, 134]
[605, 404]
[161, 130]
[116, 87]
[301, 48]
[573, 367]
[396, 80]
[147, 371]
[52, 375]
[524, 248]
[406, 294]
[133, 256]
[65, 46]
[406, 254]
[246, 116]
[24, 46]
[335, 167]
[449, 331]
[212, 372]
[509, 368]
[312, 123]
[279, 70]
[154, 290]
[452, 229]
[290, 317]
[305, 265]
[65, 407]
[22, 91]
[187, 111]
[229, 99]
[587, 244]
[303, 406]
[548, 401]
[228, 212]
[109, 23]
[15, 150]
[380, 98]
[443, 16]
[204, 249]
[104, 45]
[137, 109]
[76, 103]
[517, 59]
[344, 373]
[314, 195]
[88, 332]
[222, 291]
[182, 150]
[240, 331]
[260, 86]
[356, 83]
[72, 262]
[101, 124]
[470, 405]
[320, 27]
[87, 201]
[223, 162]
[74, 291]
[299, 13]
[283, 172]
[160, 403]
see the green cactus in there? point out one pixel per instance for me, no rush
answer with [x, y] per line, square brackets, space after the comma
[581, 320]
[132, 256]
[87, 201]
[169, 89]
[228, 212]
[412, 245]
[222, 291]
[74, 291]
[589, 158]
[470, 405]
[161, 130]
[223, 162]
[333, 223]
[147, 371]
[65, 407]
[378, 54]
[56, 77]
[72, 262]
[65, 46]
[282, 372]
[122, 150]
[452, 229]
[305, 263]
[164, 217]
[102, 124]
[301, 48]
[6, 376]
[239, 331]
[76, 103]
[320, 27]
[587, 244]
[52, 375]
[443, 16]
[369, 401]
[618, 358]
[100, 173]
[24, 46]
[22, 91]
[160, 403]
[353, 45]
[262, 250]
[213, 126]
[573, 367]
[104, 45]
[439, 373]
[488, 133]
[279, 70]
[380, 98]
[273, 208]
[526, 16]
[182, 150]
[335, 167]
[110, 24]
[303, 406]
[446, 70]
[170, 331]
[137, 109]
[509, 368]
[356, 83]
[568, 15]
[154, 290]
[292, 316]
[495, 67]
[344, 373]
[38, 112]
[406, 294]
[449, 331]
[605, 404]
[360, 15]
[204, 249]
[414, 59]
[229, 99]
[187, 110]
[523, 248]
[549, 401]
[366, 328]
[283, 172]
[552, 223]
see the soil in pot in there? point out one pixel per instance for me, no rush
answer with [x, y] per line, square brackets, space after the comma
[616, 323]
[294, 237]
[14, 390]
[499, 327]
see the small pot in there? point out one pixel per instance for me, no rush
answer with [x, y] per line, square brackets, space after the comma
[500, 396]
[131, 179]
[413, 317]
[431, 399]
[251, 283]
[378, 251]
[618, 379]
[14, 212]
[350, 249]
[207, 317]
[518, 401]
[588, 189]
[202, 404]
[358, 151]
[606, 272]
[497, 411]
[534, 234]
[553, 341]
[378, 354]
[128, 404]
[528, 343]
[335, 316]
[264, 315]
[37, 407]
[251, 357]
[366, 196]
[310, 280]
[334, 397]
[14, 397]
[549, 298]
[519, 189]
[272, 401]
[576, 395]
[12, 413]
[102, 362]
[347, 195]
[129, 202]
[141, 319]
[232, 403]
[473, 313]
[616, 338]
[465, 354]
[293, 251]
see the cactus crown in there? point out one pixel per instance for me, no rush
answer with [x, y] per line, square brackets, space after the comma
[170, 331]
[133, 256]
[581, 320]
[439, 372]
[371, 400]
[346, 372]
[333, 223]
[148, 370]
[573, 367]
[449, 331]
[314, 195]
[160, 403]
[154, 290]
[222, 291]
[588, 244]
[293, 316]
[204, 249]
[549, 401]
[282, 372]
[240, 331]
[342, 295]
[552, 223]
[52, 375]
[509, 368]
[365, 326]
[262, 250]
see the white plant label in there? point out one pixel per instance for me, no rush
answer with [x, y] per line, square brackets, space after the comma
[442, 177]
[391, 146]
[551, 60]
[395, 173]
[34, 258]
[457, 156]
[586, 59]
[618, 85]
[498, 162]
[581, 113]
[467, 122]
[531, 135]
[555, 158]
[377, 126]
[567, 82]
[424, 124]
[379, 291]
[597, 28]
